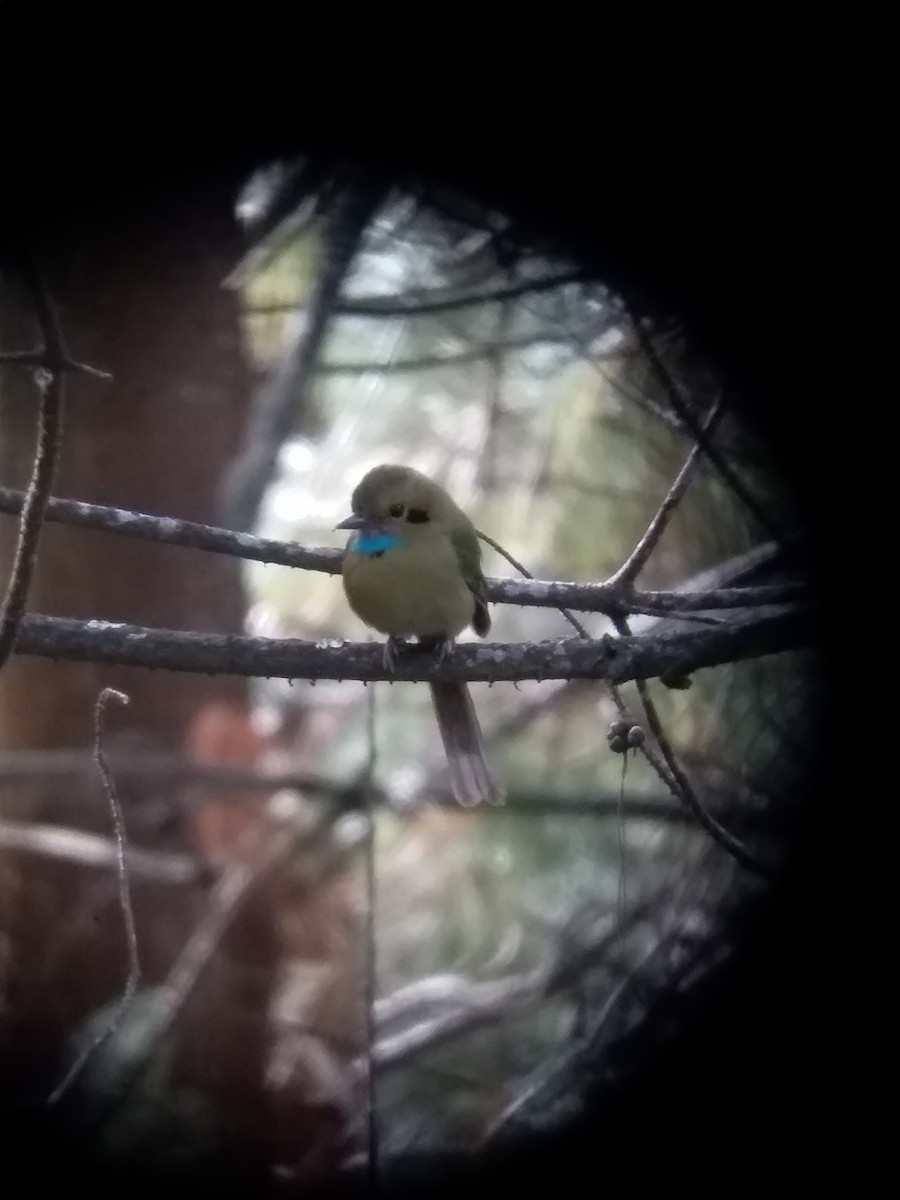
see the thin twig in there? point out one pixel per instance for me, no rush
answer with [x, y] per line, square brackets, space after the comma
[683, 789]
[38, 359]
[637, 560]
[125, 902]
[576, 624]
[485, 1002]
[556, 1069]
[230, 892]
[49, 379]
[488, 1001]
[225, 900]
[690, 422]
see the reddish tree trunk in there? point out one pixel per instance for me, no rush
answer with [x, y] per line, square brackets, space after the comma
[141, 296]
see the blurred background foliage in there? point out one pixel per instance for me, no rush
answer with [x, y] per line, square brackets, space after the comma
[540, 416]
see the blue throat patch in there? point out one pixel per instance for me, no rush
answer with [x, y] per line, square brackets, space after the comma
[373, 542]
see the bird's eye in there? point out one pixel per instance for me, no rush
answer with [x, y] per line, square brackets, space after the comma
[396, 510]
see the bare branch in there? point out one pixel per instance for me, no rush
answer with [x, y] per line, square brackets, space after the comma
[613, 660]
[27, 764]
[230, 892]
[429, 302]
[89, 850]
[690, 422]
[576, 625]
[472, 1004]
[674, 777]
[538, 593]
[556, 1067]
[37, 359]
[49, 378]
[624, 577]
[173, 531]
[433, 362]
[682, 786]
[639, 556]
[484, 1003]
[284, 393]
[124, 882]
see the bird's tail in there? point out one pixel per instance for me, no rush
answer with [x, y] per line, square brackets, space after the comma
[470, 775]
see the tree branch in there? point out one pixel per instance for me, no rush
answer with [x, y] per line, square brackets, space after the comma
[52, 361]
[284, 392]
[427, 302]
[682, 785]
[91, 850]
[637, 560]
[469, 1004]
[537, 593]
[27, 764]
[689, 421]
[616, 660]
[576, 625]
[432, 362]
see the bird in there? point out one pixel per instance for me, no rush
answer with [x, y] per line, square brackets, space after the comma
[412, 568]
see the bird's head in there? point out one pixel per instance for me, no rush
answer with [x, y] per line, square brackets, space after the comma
[393, 504]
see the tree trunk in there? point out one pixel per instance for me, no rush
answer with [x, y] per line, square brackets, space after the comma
[141, 297]
[139, 294]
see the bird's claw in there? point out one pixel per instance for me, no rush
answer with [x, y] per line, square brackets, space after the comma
[443, 649]
[440, 647]
[389, 655]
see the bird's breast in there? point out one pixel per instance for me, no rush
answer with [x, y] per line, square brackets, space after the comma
[408, 589]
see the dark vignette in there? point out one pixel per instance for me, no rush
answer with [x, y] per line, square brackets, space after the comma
[736, 1079]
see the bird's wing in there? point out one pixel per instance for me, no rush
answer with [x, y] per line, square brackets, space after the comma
[468, 552]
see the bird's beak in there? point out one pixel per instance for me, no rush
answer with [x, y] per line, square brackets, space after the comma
[351, 522]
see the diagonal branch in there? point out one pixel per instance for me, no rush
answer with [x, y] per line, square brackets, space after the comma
[639, 556]
[576, 625]
[468, 1005]
[681, 785]
[284, 393]
[689, 421]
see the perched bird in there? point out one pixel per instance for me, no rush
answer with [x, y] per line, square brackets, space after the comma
[412, 567]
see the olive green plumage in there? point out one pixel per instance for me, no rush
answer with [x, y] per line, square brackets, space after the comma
[413, 569]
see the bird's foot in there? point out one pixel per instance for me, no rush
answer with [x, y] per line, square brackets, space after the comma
[438, 645]
[392, 649]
